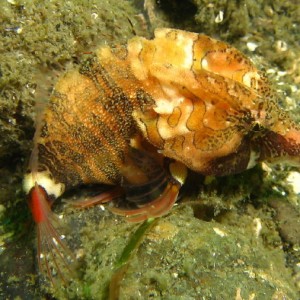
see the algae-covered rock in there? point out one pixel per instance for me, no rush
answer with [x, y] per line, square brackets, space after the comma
[182, 257]
[38, 38]
[186, 258]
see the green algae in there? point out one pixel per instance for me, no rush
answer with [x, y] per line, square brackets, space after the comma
[123, 262]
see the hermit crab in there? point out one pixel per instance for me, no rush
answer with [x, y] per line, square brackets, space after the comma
[137, 116]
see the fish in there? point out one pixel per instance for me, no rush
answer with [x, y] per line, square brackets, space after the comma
[138, 116]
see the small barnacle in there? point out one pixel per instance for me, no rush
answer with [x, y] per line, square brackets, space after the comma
[137, 116]
[281, 46]
[94, 16]
[219, 18]
[252, 46]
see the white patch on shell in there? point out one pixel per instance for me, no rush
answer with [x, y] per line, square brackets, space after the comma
[248, 77]
[163, 106]
[187, 47]
[166, 104]
[184, 42]
[167, 132]
[43, 179]
[204, 64]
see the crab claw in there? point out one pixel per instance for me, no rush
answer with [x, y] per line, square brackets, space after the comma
[167, 188]
[54, 257]
[156, 208]
[98, 199]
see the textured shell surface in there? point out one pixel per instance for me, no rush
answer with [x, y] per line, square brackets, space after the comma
[194, 99]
